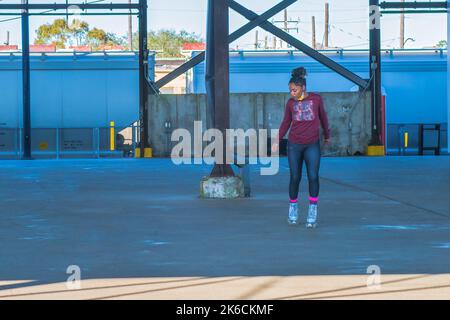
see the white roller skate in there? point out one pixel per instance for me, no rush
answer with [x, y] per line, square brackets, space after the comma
[311, 220]
[293, 214]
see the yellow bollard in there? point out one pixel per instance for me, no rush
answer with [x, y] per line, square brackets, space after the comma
[112, 140]
[406, 140]
[148, 152]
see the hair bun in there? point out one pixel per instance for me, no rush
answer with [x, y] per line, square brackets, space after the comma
[299, 73]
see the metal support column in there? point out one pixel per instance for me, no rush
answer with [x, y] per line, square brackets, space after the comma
[375, 70]
[217, 76]
[143, 93]
[26, 83]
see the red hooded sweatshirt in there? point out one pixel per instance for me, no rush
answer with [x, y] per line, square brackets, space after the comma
[304, 118]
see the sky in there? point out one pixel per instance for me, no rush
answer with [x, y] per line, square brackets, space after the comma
[348, 22]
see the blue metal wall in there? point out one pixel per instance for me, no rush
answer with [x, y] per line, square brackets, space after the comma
[82, 90]
[415, 82]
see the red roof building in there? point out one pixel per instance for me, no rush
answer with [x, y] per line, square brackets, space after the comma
[81, 48]
[42, 48]
[110, 48]
[194, 46]
[9, 47]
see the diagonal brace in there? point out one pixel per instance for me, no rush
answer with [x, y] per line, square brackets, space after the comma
[254, 22]
[250, 15]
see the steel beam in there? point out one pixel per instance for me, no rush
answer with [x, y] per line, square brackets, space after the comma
[84, 14]
[26, 84]
[375, 70]
[63, 6]
[234, 36]
[258, 20]
[143, 93]
[180, 70]
[336, 67]
[412, 11]
[217, 77]
[413, 5]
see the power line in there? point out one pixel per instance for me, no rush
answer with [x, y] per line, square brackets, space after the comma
[364, 43]
[348, 33]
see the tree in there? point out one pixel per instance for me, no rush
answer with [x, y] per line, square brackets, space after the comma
[78, 33]
[168, 41]
[96, 37]
[56, 33]
[79, 30]
[442, 44]
[114, 39]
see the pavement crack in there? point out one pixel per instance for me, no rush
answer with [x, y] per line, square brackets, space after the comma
[440, 214]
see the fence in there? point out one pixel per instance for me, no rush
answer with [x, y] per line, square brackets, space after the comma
[70, 142]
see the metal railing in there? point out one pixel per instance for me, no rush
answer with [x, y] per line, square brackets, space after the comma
[59, 143]
[412, 139]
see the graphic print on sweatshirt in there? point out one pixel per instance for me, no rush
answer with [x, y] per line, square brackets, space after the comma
[303, 111]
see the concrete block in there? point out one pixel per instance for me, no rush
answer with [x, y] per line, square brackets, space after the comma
[348, 114]
[222, 187]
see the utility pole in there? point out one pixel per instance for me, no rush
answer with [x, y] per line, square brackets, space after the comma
[314, 32]
[266, 43]
[67, 13]
[274, 43]
[402, 28]
[7, 38]
[327, 23]
[130, 30]
[256, 40]
[285, 21]
[285, 26]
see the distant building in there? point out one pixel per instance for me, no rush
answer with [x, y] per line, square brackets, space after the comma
[8, 48]
[81, 48]
[42, 48]
[33, 48]
[52, 48]
[111, 48]
[164, 66]
[194, 47]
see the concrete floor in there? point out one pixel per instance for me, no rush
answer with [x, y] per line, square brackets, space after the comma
[137, 229]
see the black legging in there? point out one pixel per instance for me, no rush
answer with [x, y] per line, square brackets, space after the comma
[310, 153]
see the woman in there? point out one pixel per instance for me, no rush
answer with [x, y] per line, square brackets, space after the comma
[304, 114]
